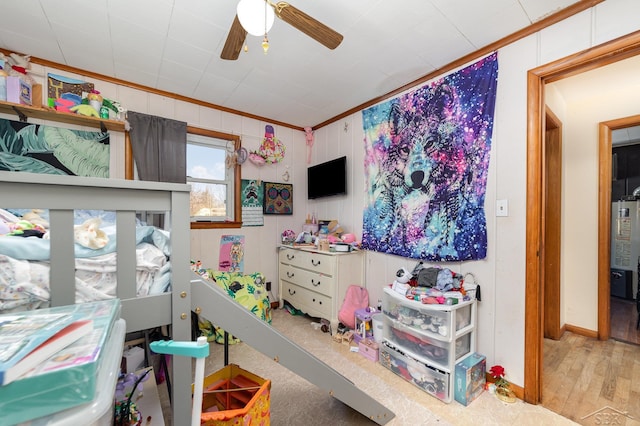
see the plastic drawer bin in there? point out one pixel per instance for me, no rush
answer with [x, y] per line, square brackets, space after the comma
[434, 319]
[429, 379]
[424, 347]
[233, 396]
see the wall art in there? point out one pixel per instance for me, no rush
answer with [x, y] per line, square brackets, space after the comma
[426, 163]
[278, 198]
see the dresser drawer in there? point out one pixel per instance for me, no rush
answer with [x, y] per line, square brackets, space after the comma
[315, 262]
[307, 301]
[319, 283]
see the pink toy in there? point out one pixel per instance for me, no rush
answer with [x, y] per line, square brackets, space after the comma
[333, 239]
[309, 138]
[349, 238]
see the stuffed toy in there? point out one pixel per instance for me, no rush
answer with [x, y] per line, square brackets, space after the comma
[18, 66]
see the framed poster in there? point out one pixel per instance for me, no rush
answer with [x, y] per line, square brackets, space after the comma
[252, 202]
[278, 198]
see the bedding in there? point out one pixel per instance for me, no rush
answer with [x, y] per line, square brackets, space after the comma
[25, 254]
[249, 290]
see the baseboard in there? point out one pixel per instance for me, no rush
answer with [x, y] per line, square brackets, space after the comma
[517, 390]
[581, 331]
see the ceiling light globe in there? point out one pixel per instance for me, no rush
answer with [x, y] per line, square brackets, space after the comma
[251, 16]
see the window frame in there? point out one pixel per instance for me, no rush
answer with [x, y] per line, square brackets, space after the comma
[237, 176]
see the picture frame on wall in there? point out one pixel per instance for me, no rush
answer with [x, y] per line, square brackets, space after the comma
[278, 198]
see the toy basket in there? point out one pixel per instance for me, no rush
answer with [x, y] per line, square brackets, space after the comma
[233, 396]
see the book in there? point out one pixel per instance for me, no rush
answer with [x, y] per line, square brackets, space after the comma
[21, 333]
[50, 347]
[68, 378]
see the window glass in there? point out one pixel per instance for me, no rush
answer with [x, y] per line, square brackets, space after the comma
[212, 182]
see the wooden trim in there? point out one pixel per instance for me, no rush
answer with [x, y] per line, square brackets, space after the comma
[128, 158]
[552, 225]
[533, 267]
[531, 29]
[604, 232]
[237, 202]
[517, 390]
[592, 334]
[215, 225]
[604, 220]
[117, 81]
[505, 41]
[607, 53]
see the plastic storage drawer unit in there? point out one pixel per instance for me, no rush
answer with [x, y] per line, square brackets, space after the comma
[424, 347]
[425, 377]
[439, 320]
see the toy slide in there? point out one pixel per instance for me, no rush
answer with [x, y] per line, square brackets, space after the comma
[219, 308]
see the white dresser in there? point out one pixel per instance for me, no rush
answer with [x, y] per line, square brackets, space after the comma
[315, 282]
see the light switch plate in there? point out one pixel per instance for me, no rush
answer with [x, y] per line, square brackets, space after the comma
[502, 208]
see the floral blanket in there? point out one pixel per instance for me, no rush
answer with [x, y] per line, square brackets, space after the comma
[249, 290]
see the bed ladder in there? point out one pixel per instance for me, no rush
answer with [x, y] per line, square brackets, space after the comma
[215, 305]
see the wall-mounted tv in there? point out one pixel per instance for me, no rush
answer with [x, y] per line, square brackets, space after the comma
[326, 179]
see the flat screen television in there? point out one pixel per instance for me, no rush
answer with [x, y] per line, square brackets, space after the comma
[326, 179]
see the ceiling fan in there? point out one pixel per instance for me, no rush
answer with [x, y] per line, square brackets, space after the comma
[291, 15]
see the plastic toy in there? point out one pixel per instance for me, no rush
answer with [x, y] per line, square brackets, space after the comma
[198, 350]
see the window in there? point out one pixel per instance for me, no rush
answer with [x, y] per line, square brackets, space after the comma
[215, 187]
[232, 217]
[211, 181]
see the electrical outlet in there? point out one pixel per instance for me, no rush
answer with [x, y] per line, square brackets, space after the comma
[268, 285]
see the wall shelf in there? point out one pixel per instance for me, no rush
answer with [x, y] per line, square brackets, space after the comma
[44, 113]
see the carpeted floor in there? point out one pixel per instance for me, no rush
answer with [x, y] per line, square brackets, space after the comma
[295, 401]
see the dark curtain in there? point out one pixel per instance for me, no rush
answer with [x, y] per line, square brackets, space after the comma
[159, 147]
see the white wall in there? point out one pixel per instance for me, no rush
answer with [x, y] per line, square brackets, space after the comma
[502, 273]
[586, 100]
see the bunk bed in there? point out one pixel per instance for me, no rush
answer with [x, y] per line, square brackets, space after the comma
[62, 196]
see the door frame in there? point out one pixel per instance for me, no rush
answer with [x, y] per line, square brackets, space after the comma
[593, 58]
[552, 226]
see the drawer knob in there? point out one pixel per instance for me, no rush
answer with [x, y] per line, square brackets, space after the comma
[290, 257]
[291, 293]
[315, 262]
[315, 283]
[290, 274]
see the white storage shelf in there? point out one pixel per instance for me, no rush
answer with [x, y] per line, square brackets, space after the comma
[423, 342]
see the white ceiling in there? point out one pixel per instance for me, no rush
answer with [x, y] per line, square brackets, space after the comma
[175, 45]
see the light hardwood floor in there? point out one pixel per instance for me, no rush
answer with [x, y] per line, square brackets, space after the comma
[624, 320]
[584, 376]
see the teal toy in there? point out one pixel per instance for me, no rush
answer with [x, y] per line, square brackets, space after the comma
[198, 350]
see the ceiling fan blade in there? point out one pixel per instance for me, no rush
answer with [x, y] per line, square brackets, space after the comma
[308, 25]
[235, 40]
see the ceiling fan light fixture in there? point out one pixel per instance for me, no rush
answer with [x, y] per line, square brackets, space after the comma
[251, 14]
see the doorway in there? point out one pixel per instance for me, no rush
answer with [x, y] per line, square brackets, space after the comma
[599, 56]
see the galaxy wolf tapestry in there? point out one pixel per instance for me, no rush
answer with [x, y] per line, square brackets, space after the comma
[426, 163]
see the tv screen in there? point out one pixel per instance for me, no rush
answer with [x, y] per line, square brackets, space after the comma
[326, 179]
